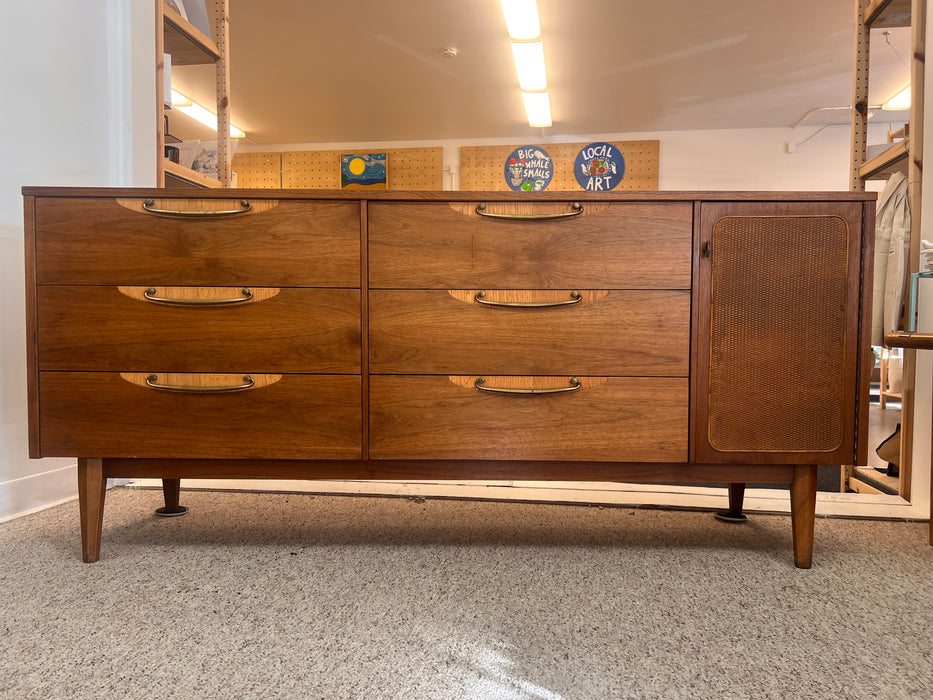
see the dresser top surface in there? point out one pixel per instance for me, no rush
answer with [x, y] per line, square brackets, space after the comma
[447, 196]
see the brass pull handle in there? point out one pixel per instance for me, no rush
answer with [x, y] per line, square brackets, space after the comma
[150, 294]
[153, 381]
[576, 207]
[149, 205]
[481, 381]
[480, 298]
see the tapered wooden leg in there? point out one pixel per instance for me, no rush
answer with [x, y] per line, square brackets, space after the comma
[736, 501]
[171, 490]
[803, 513]
[92, 485]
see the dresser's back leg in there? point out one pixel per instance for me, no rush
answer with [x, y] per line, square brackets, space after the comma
[171, 490]
[736, 500]
[92, 485]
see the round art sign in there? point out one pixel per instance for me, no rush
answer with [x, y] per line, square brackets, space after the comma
[599, 167]
[528, 169]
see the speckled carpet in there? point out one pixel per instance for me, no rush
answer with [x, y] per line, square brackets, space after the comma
[298, 596]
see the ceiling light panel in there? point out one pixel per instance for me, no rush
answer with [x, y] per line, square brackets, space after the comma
[521, 19]
[529, 62]
[538, 108]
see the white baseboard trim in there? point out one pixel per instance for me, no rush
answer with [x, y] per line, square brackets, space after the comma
[35, 492]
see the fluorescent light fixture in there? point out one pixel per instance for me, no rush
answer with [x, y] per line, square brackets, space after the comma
[529, 62]
[538, 108]
[187, 106]
[521, 19]
[900, 101]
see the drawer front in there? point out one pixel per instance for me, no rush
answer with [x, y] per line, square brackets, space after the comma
[272, 330]
[621, 332]
[627, 419]
[281, 417]
[275, 244]
[610, 245]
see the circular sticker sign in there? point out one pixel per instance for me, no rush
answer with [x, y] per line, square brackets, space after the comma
[528, 169]
[599, 167]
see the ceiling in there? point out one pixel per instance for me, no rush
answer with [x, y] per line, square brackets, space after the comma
[373, 71]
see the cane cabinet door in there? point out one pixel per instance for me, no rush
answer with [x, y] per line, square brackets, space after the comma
[781, 353]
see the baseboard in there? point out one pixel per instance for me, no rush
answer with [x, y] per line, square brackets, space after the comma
[35, 492]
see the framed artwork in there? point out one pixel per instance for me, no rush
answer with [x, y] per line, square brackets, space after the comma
[528, 169]
[599, 167]
[364, 171]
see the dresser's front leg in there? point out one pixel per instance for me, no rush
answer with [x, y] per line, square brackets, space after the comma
[92, 485]
[803, 513]
[171, 491]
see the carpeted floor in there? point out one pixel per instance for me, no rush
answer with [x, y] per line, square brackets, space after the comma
[296, 596]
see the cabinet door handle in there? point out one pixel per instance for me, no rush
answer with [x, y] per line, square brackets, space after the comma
[153, 381]
[480, 298]
[576, 207]
[149, 205]
[150, 294]
[481, 381]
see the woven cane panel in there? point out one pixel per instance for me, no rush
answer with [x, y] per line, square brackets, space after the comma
[408, 168]
[482, 167]
[777, 333]
[258, 170]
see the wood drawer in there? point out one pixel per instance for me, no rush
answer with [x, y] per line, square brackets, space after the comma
[627, 419]
[275, 244]
[278, 330]
[610, 245]
[114, 415]
[620, 332]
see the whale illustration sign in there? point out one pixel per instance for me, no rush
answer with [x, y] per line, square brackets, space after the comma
[599, 167]
[528, 169]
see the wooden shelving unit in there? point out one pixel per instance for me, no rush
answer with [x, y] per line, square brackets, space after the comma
[189, 46]
[905, 156]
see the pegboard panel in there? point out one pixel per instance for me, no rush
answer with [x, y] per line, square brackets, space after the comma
[258, 170]
[481, 167]
[409, 168]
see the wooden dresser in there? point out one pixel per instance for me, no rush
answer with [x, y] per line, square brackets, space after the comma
[707, 337]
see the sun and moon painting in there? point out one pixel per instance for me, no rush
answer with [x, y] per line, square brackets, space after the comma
[364, 171]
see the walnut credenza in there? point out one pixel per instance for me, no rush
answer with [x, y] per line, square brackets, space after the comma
[707, 337]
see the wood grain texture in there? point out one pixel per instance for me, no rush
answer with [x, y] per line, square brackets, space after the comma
[92, 487]
[803, 513]
[32, 347]
[97, 241]
[779, 345]
[432, 469]
[294, 330]
[300, 416]
[688, 196]
[608, 419]
[629, 332]
[624, 246]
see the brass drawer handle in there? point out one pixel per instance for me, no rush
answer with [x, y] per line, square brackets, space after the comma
[149, 205]
[153, 381]
[481, 381]
[480, 298]
[150, 294]
[576, 206]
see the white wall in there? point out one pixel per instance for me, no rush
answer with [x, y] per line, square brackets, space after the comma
[66, 120]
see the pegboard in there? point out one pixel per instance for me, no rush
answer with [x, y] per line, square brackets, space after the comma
[482, 167]
[409, 168]
[258, 170]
